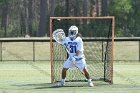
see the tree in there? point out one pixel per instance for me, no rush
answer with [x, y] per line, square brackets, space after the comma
[97, 8]
[92, 8]
[43, 17]
[20, 17]
[134, 19]
[85, 8]
[67, 8]
[53, 5]
[121, 9]
[4, 22]
[104, 8]
[23, 17]
[30, 17]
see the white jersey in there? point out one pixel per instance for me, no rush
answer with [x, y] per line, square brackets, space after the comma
[75, 45]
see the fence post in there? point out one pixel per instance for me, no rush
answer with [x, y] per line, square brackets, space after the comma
[102, 51]
[1, 51]
[139, 51]
[34, 51]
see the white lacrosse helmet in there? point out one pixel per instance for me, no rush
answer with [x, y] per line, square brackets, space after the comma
[73, 31]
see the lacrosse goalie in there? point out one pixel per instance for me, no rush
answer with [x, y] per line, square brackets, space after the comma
[74, 44]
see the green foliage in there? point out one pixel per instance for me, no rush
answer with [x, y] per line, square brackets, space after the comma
[120, 7]
[126, 12]
[126, 17]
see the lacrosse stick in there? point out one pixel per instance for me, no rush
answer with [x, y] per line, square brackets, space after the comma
[59, 37]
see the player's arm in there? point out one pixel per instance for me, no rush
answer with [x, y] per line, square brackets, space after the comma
[76, 57]
[65, 44]
[79, 48]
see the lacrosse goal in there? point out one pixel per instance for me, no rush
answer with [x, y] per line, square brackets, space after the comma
[98, 36]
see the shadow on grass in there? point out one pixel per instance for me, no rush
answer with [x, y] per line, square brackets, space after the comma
[48, 85]
[83, 85]
[98, 86]
[38, 85]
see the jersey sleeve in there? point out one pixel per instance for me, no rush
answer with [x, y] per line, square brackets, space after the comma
[80, 44]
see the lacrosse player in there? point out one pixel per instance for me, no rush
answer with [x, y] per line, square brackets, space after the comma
[74, 44]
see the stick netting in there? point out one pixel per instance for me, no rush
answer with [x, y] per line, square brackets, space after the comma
[97, 37]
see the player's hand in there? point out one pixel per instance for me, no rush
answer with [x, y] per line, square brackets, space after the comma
[65, 45]
[73, 59]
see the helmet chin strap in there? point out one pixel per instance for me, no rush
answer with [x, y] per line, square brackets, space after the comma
[72, 38]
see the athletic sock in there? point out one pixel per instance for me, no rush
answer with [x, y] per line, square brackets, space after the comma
[63, 80]
[89, 80]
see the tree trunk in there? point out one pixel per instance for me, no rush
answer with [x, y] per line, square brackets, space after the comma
[67, 8]
[23, 16]
[92, 8]
[85, 13]
[104, 8]
[77, 8]
[85, 8]
[30, 17]
[97, 7]
[53, 5]
[4, 17]
[43, 18]
[22, 24]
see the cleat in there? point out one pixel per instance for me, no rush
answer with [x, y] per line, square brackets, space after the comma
[61, 84]
[90, 84]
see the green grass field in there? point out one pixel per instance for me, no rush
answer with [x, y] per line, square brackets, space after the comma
[34, 77]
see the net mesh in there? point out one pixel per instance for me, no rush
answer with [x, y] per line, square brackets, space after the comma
[97, 38]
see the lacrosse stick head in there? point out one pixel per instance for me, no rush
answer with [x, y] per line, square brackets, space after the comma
[59, 36]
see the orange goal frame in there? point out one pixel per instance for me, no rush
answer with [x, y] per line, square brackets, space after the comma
[78, 18]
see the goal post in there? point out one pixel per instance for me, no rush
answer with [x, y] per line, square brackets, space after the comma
[98, 37]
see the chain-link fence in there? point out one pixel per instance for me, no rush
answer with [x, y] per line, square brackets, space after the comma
[24, 49]
[127, 49]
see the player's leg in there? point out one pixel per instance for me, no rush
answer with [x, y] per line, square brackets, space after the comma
[66, 66]
[64, 73]
[86, 73]
[82, 66]
[88, 77]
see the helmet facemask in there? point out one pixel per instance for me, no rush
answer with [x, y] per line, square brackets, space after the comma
[73, 31]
